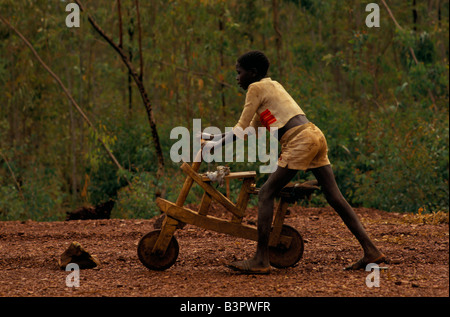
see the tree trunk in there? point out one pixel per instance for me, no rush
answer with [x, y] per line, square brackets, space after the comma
[72, 152]
[222, 62]
[278, 37]
[129, 77]
[139, 84]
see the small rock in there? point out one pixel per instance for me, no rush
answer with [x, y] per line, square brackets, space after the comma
[395, 261]
[75, 253]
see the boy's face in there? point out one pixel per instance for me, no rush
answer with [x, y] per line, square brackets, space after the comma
[245, 77]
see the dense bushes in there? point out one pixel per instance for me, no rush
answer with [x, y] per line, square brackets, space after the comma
[384, 115]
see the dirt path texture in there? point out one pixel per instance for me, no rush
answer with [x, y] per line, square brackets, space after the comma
[418, 250]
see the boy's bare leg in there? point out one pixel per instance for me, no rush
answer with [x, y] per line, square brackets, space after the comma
[325, 177]
[276, 181]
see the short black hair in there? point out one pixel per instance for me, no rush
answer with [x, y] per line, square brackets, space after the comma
[255, 59]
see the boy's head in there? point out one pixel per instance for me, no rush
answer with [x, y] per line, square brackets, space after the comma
[251, 67]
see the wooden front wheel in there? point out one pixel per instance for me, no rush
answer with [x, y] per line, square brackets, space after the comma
[153, 261]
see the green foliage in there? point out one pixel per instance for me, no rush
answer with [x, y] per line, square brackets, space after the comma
[131, 146]
[384, 115]
[417, 173]
[42, 197]
[137, 200]
[12, 206]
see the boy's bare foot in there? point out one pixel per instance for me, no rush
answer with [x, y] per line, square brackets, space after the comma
[249, 267]
[362, 263]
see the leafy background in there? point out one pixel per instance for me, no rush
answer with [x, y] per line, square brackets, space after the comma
[388, 140]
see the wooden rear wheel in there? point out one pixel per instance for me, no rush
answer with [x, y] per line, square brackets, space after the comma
[282, 257]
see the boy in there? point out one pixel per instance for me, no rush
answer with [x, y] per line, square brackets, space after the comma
[303, 147]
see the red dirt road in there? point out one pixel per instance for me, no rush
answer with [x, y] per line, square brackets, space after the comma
[419, 253]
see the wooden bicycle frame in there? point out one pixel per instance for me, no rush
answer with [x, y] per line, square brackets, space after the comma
[177, 213]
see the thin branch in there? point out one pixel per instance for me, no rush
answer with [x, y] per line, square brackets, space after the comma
[58, 80]
[140, 85]
[391, 15]
[398, 26]
[12, 174]
[433, 100]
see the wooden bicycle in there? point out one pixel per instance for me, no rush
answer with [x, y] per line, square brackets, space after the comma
[158, 249]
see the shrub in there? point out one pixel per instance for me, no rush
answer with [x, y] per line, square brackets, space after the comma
[137, 200]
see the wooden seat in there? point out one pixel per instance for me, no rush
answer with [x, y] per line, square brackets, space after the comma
[293, 192]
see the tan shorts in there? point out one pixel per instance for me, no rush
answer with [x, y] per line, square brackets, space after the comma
[303, 147]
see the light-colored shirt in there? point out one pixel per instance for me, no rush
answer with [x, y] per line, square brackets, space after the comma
[267, 104]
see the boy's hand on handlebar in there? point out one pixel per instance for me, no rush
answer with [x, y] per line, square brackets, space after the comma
[204, 136]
